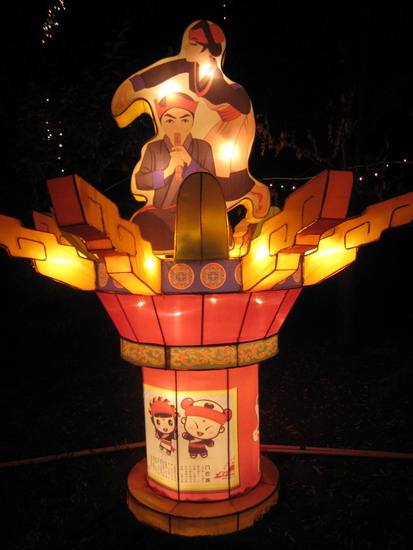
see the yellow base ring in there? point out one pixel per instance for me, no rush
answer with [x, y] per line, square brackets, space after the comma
[201, 518]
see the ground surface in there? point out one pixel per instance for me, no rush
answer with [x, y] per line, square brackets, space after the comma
[64, 388]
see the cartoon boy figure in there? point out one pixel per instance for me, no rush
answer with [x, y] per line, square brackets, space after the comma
[164, 166]
[203, 422]
[163, 415]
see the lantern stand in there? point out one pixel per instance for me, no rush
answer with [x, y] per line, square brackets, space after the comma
[198, 518]
[198, 345]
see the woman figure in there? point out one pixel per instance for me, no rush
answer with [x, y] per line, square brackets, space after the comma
[163, 416]
[227, 122]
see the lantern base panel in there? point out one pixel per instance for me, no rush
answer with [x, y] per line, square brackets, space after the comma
[201, 518]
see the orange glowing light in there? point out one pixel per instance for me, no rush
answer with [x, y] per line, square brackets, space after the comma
[337, 249]
[83, 211]
[61, 262]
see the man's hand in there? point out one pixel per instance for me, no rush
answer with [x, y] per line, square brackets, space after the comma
[179, 157]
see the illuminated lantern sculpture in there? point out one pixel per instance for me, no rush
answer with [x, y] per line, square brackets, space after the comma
[198, 305]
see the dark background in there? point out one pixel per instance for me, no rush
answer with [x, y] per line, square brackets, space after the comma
[310, 68]
[64, 387]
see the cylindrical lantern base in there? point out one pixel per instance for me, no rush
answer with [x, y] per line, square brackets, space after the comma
[202, 432]
[201, 518]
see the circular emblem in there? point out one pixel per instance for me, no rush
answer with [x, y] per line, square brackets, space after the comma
[213, 276]
[181, 276]
[237, 274]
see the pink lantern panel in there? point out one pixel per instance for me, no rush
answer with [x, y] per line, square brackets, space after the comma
[199, 320]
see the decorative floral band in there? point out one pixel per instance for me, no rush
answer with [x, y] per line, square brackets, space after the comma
[199, 357]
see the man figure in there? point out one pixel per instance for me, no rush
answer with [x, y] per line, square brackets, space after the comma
[165, 164]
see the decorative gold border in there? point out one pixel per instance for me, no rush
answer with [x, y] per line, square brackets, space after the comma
[254, 352]
[144, 355]
[203, 357]
[199, 357]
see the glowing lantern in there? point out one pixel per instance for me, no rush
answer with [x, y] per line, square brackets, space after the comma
[197, 305]
[203, 118]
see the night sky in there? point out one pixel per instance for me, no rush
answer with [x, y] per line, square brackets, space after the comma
[294, 59]
[276, 49]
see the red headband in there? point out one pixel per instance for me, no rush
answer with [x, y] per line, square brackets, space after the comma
[199, 35]
[161, 406]
[175, 100]
[206, 412]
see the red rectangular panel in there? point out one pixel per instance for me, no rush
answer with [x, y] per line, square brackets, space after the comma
[180, 317]
[160, 378]
[261, 312]
[202, 381]
[223, 317]
[112, 306]
[284, 310]
[141, 314]
[65, 199]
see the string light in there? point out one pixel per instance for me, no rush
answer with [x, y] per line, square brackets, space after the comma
[53, 133]
[378, 178]
[358, 167]
[53, 136]
[224, 17]
[52, 20]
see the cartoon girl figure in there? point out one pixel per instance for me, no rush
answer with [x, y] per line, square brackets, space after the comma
[163, 415]
[228, 124]
[204, 420]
